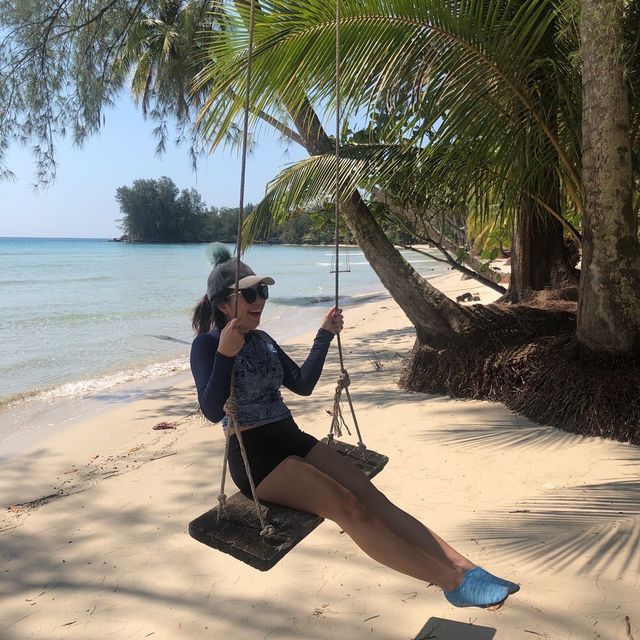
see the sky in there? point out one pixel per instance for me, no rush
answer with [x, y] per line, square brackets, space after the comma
[81, 203]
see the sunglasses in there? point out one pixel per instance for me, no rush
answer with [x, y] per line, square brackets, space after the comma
[251, 295]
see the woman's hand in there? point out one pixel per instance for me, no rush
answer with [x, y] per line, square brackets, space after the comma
[231, 338]
[333, 321]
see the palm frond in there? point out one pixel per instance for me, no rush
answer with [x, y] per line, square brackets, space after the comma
[462, 70]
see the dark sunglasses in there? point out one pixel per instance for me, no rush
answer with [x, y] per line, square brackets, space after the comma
[250, 295]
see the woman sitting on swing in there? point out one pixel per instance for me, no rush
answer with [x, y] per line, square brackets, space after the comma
[292, 468]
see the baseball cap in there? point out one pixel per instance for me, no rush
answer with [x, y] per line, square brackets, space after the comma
[223, 274]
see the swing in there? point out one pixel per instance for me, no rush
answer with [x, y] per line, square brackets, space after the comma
[261, 534]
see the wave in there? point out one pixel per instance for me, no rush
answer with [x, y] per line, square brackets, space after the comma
[94, 386]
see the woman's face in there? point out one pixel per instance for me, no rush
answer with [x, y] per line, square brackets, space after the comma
[249, 313]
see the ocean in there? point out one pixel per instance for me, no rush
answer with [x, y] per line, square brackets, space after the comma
[83, 317]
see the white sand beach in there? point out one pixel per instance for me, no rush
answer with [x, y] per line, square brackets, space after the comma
[94, 542]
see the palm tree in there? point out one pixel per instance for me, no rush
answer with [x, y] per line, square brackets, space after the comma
[457, 49]
[163, 52]
[425, 306]
[499, 112]
[609, 311]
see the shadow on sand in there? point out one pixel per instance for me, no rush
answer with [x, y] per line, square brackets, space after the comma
[441, 629]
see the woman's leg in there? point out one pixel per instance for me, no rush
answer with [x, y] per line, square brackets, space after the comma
[297, 484]
[395, 519]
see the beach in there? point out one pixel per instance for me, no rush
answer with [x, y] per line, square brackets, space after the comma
[94, 542]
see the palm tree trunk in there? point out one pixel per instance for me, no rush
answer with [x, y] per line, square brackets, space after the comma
[609, 304]
[539, 258]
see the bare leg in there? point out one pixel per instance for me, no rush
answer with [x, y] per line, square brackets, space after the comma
[297, 484]
[395, 519]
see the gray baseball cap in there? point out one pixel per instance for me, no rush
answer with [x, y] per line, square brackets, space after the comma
[223, 277]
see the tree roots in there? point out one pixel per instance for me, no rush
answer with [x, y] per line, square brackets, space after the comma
[537, 368]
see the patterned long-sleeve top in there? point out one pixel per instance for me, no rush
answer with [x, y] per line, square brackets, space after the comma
[261, 368]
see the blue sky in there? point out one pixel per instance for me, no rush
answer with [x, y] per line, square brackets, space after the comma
[81, 203]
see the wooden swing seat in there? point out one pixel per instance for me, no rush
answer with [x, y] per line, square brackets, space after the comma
[238, 532]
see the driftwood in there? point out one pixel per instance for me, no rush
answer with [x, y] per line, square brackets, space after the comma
[237, 532]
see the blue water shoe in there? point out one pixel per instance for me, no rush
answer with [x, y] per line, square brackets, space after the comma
[476, 590]
[512, 587]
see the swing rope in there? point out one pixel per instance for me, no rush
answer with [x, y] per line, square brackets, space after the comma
[337, 420]
[231, 407]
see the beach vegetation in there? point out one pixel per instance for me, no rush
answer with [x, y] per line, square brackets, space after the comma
[157, 211]
[58, 72]
[160, 56]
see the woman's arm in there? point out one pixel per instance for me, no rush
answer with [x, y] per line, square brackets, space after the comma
[212, 374]
[302, 380]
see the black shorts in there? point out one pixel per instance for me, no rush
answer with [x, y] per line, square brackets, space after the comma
[267, 446]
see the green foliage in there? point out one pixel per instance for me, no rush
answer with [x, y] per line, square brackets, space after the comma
[156, 211]
[477, 107]
[162, 54]
[462, 255]
[222, 225]
[490, 254]
[57, 71]
[63, 61]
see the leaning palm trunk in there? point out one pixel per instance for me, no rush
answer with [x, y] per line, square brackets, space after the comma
[429, 310]
[609, 309]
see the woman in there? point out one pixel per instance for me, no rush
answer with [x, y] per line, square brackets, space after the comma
[292, 468]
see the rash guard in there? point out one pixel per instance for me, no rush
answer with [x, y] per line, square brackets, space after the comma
[261, 368]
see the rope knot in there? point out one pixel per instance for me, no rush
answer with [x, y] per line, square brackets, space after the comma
[231, 406]
[222, 499]
[269, 530]
[343, 380]
[337, 421]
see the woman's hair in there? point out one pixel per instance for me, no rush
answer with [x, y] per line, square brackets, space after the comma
[206, 314]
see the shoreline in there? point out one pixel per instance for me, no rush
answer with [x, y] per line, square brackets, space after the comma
[38, 419]
[33, 415]
[111, 318]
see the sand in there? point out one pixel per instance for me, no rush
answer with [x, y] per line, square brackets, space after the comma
[94, 543]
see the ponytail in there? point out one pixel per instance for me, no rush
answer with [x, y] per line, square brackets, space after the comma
[218, 318]
[201, 318]
[205, 315]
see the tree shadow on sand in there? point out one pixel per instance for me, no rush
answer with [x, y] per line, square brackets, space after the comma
[594, 527]
[101, 565]
[133, 554]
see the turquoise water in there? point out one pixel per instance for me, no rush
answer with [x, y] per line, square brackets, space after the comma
[82, 316]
